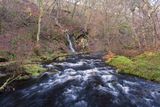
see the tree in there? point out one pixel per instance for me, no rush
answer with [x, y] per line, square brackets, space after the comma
[74, 8]
[40, 3]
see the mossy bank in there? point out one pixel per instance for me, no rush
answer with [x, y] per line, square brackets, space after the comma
[16, 70]
[146, 65]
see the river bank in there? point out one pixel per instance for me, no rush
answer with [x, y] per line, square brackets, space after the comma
[17, 70]
[144, 66]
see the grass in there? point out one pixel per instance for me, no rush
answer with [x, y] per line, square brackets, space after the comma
[146, 65]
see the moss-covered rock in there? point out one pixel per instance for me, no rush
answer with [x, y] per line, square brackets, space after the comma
[34, 69]
[48, 58]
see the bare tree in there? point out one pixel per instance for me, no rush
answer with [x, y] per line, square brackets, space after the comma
[40, 3]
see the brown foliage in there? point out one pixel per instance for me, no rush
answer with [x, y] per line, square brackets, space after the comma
[108, 57]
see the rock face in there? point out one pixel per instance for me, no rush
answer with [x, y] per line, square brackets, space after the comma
[81, 40]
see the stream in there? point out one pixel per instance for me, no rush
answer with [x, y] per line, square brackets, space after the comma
[84, 81]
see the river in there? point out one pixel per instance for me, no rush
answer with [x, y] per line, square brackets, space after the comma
[84, 81]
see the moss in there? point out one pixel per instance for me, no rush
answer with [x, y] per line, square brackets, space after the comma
[34, 69]
[25, 77]
[145, 65]
[121, 62]
[32, 65]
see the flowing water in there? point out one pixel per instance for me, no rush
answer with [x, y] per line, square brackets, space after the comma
[84, 81]
[71, 47]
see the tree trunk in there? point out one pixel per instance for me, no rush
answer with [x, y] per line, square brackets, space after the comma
[136, 38]
[74, 8]
[39, 19]
[153, 17]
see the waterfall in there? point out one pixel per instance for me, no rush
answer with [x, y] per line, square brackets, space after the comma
[70, 43]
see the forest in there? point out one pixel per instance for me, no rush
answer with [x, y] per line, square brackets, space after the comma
[103, 51]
